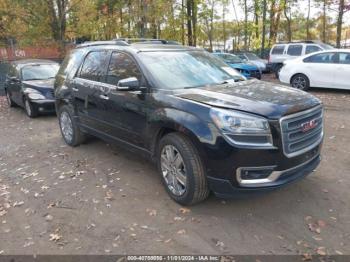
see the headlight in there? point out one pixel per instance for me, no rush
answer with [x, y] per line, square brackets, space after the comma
[241, 129]
[33, 94]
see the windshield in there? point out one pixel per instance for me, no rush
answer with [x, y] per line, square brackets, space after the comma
[252, 56]
[39, 72]
[229, 58]
[175, 70]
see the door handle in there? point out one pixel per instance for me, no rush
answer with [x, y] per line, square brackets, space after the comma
[75, 89]
[104, 97]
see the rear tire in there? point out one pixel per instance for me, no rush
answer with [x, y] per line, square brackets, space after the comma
[300, 81]
[70, 130]
[183, 174]
[278, 70]
[31, 111]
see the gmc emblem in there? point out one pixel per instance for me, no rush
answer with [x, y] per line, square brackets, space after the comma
[308, 125]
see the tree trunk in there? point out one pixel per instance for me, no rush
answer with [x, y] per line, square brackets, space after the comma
[224, 25]
[189, 22]
[194, 22]
[183, 22]
[308, 21]
[340, 22]
[289, 21]
[263, 29]
[272, 20]
[324, 21]
[245, 25]
[256, 18]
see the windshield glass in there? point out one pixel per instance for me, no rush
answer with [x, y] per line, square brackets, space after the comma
[229, 58]
[39, 72]
[252, 56]
[175, 70]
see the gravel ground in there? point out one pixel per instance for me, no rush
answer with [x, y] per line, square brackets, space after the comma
[101, 199]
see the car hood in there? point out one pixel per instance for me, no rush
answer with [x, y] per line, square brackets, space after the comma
[42, 85]
[245, 66]
[262, 98]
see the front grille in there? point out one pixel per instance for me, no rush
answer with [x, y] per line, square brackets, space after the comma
[297, 139]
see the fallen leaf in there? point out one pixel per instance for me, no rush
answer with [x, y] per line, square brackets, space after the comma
[55, 237]
[181, 232]
[307, 257]
[321, 251]
[184, 210]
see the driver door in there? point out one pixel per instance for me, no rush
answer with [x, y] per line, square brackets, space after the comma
[125, 110]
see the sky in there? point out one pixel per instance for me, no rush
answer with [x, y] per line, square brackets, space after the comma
[301, 5]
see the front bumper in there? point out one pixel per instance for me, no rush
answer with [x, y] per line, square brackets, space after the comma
[44, 105]
[224, 188]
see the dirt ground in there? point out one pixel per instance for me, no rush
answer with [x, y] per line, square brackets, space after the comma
[101, 199]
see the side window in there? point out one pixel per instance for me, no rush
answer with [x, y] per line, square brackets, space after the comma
[344, 58]
[312, 49]
[324, 58]
[278, 50]
[295, 50]
[94, 67]
[122, 66]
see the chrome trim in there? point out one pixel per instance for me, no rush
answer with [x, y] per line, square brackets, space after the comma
[296, 153]
[271, 178]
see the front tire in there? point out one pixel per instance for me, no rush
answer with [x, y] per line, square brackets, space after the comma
[70, 130]
[301, 82]
[182, 170]
[31, 111]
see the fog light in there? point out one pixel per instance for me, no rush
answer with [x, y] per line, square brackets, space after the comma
[251, 174]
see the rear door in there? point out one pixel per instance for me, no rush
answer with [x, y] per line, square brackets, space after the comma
[87, 87]
[342, 72]
[320, 68]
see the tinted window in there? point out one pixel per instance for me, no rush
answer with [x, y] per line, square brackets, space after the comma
[344, 58]
[122, 66]
[321, 58]
[278, 50]
[94, 67]
[295, 50]
[312, 49]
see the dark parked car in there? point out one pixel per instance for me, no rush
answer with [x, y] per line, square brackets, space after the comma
[190, 113]
[29, 84]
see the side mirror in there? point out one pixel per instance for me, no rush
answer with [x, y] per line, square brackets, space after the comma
[130, 83]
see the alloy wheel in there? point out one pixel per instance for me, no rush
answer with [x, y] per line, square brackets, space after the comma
[66, 126]
[299, 82]
[173, 170]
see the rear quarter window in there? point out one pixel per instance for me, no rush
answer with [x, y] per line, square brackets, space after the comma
[71, 62]
[278, 50]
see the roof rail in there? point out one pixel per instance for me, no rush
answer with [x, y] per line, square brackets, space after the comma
[147, 41]
[97, 43]
[300, 42]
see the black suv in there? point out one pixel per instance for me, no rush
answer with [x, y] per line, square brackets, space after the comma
[206, 129]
